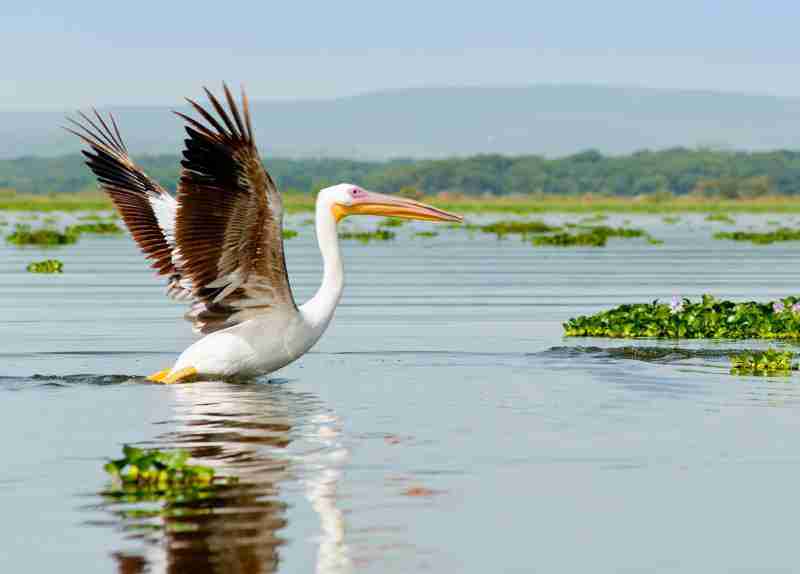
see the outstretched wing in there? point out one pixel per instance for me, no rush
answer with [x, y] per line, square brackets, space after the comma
[229, 224]
[147, 209]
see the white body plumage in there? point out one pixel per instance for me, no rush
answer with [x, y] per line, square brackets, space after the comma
[266, 343]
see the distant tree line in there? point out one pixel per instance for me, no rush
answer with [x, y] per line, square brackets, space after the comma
[675, 171]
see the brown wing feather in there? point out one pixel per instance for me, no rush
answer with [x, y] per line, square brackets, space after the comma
[228, 227]
[134, 194]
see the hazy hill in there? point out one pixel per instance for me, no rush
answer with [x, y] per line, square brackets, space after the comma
[438, 122]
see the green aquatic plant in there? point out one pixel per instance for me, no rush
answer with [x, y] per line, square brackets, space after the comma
[391, 222]
[102, 228]
[594, 236]
[763, 363]
[708, 318]
[24, 235]
[512, 227]
[289, 233]
[761, 238]
[367, 236]
[426, 234]
[91, 217]
[596, 218]
[720, 217]
[46, 266]
[157, 470]
[671, 219]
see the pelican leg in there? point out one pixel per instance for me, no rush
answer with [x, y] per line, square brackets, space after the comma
[159, 376]
[179, 375]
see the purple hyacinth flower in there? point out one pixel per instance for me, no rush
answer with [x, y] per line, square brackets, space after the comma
[778, 307]
[796, 307]
[676, 305]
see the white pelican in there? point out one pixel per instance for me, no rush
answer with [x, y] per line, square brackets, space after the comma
[220, 244]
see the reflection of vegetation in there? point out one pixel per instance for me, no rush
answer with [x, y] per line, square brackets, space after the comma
[761, 238]
[24, 235]
[159, 471]
[367, 236]
[289, 234]
[709, 318]
[769, 362]
[46, 266]
[720, 217]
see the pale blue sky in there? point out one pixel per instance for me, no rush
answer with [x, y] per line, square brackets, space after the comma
[61, 55]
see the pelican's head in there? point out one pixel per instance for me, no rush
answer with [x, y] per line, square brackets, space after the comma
[348, 199]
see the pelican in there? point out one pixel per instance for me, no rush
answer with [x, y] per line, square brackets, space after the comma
[219, 242]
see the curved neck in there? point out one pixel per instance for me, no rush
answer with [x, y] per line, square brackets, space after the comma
[318, 311]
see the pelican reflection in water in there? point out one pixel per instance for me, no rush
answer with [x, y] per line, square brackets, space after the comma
[244, 431]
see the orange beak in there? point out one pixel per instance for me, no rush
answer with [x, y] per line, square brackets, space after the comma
[371, 203]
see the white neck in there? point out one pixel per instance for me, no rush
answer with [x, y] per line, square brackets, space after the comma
[318, 311]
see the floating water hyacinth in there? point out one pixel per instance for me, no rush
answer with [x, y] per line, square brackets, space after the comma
[289, 233]
[24, 235]
[101, 228]
[391, 222]
[513, 227]
[153, 469]
[46, 266]
[761, 238]
[367, 236]
[709, 318]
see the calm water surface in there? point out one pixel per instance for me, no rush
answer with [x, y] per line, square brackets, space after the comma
[443, 423]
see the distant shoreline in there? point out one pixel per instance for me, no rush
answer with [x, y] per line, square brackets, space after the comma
[301, 203]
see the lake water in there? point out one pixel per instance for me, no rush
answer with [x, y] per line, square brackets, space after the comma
[442, 424]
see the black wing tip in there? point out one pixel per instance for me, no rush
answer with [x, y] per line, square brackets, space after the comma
[229, 123]
[97, 133]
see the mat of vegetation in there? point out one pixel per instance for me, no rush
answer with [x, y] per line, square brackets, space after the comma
[289, 233]
[46, 266]
[153, 469]
[720, 218]
[367, 236]
[708, 318]
[582, 239]
[100, 228]
[763, 363]
[592, 236]
[511, 227]
[762, 237]
[24, 235]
